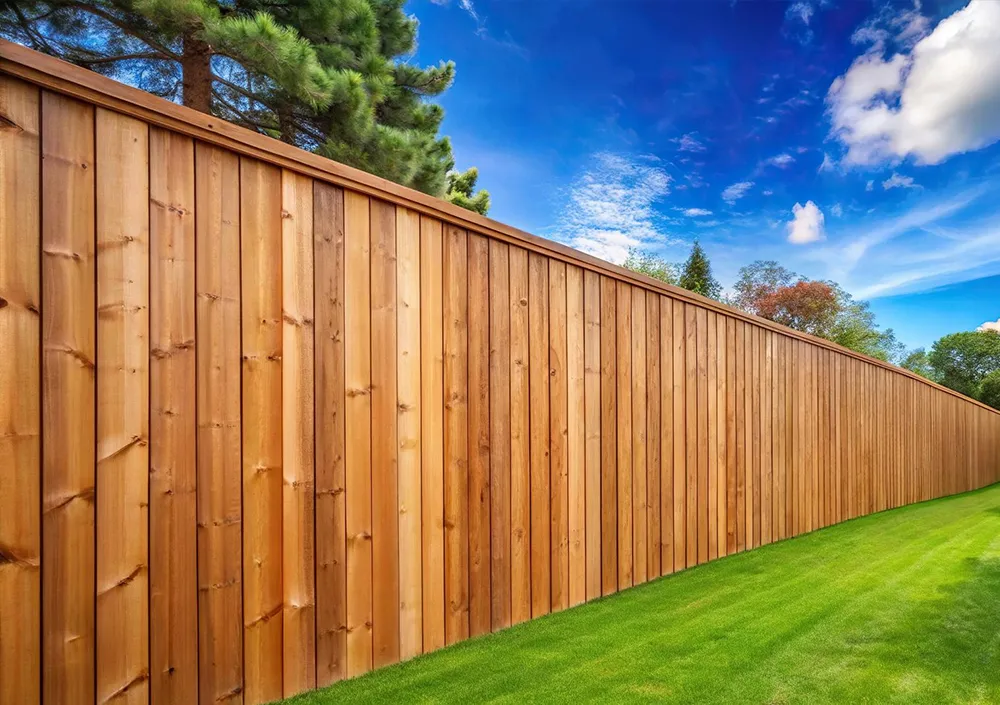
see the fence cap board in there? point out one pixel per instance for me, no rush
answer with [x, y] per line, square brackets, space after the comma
[56, 75]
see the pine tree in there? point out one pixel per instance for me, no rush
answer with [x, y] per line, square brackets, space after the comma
[324, 75]
[697, 274]
[460, 191]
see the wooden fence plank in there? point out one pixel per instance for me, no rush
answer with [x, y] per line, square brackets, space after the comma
[538, 374]
[558, 436]
[331, 504]
[609, 436]
[408, 363]
[639, 431]
[20, 387]
[68, 400]
[432, 432]
[260, 244]
[667, 435]
[577, 436]
[500, 436]
[220, 504]
[592, 421]
[766, 416]
[654, 397]
[691, 431]
[679, 342]
[741, 437]
[702, 431]
[479, 436]
[720, 421]
[520, 440]
[122, 408]
[456, 435]
[711, 380]
[297, 441]
[385, 411]
[358, 430]
[173, 576]
[625, 440]
[732, 451]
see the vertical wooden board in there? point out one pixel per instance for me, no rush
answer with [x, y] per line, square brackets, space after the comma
[408, 451]
[765, 413]
[731, 447]
[331, 440]
[691, 431]
[577, 436]
[720, 421]
[778, 436]
[623, 294]
[297, 441]
[702, 432]
[68, 400]
[609, 437]
[679, 344]
[558, 435]
[520, 441]
[122, 408]
[479, 435]
[432, 400]
[217, 314]
[20, 387]
[711, 381]
[385, 487]
[500, 435]
[592, 423]
[653, 440]
[667, 436]
[538, 402]
[754, 496]
[639, 431]
[750, 446]
[740, 377]
[173, 512]
[358, 429]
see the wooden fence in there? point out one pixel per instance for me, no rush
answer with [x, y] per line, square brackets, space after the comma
[269, 422]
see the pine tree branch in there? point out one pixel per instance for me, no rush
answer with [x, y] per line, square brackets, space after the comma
[242, 115]
[124, 57]
[111, 19]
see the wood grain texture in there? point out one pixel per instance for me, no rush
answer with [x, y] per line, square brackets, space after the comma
[679, 345]
[691, 441]
[538, 394]
[68, 400]
[640, 538]
[173, 542]
[122, 409]
[479, 435]
[408, 387]
[592, 423]
[330, 441]
[609, 437]
[358, 430]
[298, 484]
[220, 502]
[667, 437]
[558, 437]
[577, 436]
[623, 317]
[20, 386]
[520, 440]
[432, 433]
[500, 436]
[653, 439]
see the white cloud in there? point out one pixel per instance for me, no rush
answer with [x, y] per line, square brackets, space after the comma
[780, 160]
[611, 207]
[806, 224]
[800, 10]
[899, 181]
[767, 192]
[870, 185]
[990, 325]
[939, 99]
[737, 191]
[707, 223]
[689, 143]
[827, 165]
[696, 212]
[837, 210]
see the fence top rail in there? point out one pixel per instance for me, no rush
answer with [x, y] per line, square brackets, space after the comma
[56, 75]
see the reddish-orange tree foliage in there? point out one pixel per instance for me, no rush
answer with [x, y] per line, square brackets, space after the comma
[808, 306]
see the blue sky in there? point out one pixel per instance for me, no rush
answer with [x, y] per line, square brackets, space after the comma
[853, 141]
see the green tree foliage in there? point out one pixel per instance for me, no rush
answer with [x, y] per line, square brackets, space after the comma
[989, 389]
[696, 275]
[919, 362]
[758, 280]
[855, 328]
[330, 76]
[462, 191]
[651, 265]
[963, 360]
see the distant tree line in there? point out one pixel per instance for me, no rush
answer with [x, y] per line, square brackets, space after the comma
[968, 362]
[329, 76]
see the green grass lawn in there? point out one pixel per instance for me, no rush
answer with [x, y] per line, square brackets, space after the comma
[902, 606]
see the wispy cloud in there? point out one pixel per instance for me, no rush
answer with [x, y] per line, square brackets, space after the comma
[837, 210]
[899, 181]
[689, 143]
[694, 212]
[782, 161]
[612, 207]
[735, 192]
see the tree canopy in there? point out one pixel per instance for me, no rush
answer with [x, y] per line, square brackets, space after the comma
[963, 360]
[651, 265]
[326, 75]
[696, 274]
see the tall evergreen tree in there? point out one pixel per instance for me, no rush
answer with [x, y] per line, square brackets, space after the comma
[325, 75]
[697, 276]
[462, 191]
